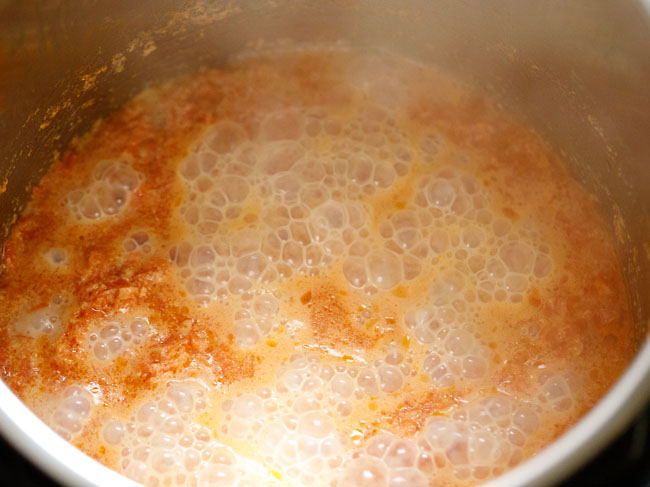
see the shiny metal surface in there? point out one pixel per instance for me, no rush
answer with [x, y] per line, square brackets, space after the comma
[578, 72]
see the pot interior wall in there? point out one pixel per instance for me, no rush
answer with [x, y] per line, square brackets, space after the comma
[578, 73]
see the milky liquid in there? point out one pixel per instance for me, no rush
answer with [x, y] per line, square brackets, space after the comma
[314, 268]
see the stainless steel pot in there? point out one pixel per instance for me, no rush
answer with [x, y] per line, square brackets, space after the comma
[578, 72]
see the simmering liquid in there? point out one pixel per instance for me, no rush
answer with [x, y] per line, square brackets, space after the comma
[317, 268]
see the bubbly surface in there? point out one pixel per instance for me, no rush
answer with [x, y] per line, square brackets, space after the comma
[317, 268]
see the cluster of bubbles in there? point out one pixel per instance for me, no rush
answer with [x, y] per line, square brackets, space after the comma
[162, 445]
[556, 391]
[291, 198]
[294, 423]
[454, 353]
[295, 426]
[138, 241]
[388, 461]
[48, 320]
[486, 257]
[113, 182]
[72, 412]
[477, 442]
[255, 320]
[118, 337]
[272, 205]
[293, 432]
[483, 439]
[291, 194]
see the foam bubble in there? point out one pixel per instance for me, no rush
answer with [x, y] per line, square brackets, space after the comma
[73, 412]
[517, 256]
[364, 472]
[118, 337]
[114, 180]
[384, 269]
[448, 286]
[280, 157]
[48, 320]
[555, 392]
[441, 193]
[113, 432]
[354, 270]
[56, 257]
[224, 137]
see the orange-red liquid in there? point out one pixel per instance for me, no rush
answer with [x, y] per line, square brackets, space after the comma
[311, 268]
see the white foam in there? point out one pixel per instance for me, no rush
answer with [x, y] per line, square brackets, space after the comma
[114, 180]
[162, 446]
[72, 413]
[119, 336]
[47, 320]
